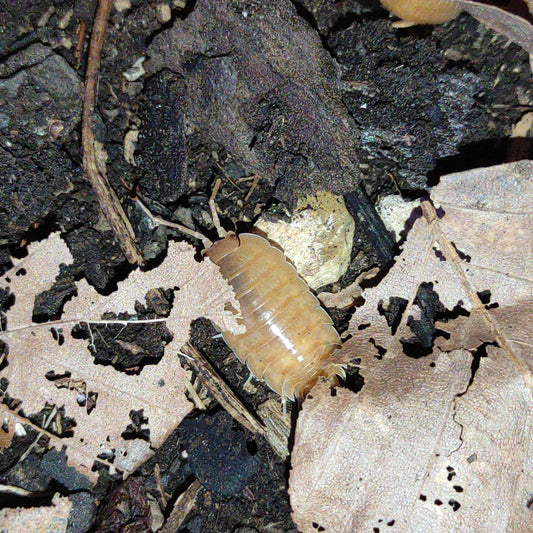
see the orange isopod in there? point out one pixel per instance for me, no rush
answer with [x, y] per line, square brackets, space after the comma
[289, 338]
[422, 11]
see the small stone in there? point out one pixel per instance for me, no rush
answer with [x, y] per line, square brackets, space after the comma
[136, 71]
[164, 13]
[317, 240]
[64, 21]
[122, 5]
[394, 211]
[19, 430]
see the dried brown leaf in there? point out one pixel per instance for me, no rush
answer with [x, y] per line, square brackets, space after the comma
[127, 508]
[347, 296]
[512, 24]
[443, 442]
[159, 390]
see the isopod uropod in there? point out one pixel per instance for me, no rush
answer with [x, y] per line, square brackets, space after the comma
[289, 338]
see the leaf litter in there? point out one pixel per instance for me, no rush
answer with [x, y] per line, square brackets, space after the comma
[156, 392]
[440, 436]
[441, 440]
[42, 519]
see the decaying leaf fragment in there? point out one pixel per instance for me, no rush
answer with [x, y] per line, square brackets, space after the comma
[440, 436]
[40, 519]
[158, 391]
[514, 25]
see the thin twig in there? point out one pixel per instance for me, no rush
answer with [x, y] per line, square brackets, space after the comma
[278, 424]
[256, 178]
[160, 488]
[82, 321]
[17, 491]
[198, 403]
[432, 218]
[94, 166]
[218, 388]
[227, 176]
[80, 43]
[46, 423]
[213, 207]
[182, 508]
[184, 229]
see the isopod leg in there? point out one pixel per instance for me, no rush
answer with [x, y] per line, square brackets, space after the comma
[248, 379]
[214, 215]
[284, 405]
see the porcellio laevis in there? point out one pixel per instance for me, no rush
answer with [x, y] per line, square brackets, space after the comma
[289, 338]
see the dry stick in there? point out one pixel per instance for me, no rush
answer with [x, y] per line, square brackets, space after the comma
[26, 421]
[184, 229]
[46, 423]
[182, 508]
[93, 167]
[163, 494]
[198, 403]
[81, 321]
[208, 376]
[213, 207]
[52, 438]
[17, 491]
[80, 43]
[256, 178]
[218, 388]
[430, 214]
[278, 426]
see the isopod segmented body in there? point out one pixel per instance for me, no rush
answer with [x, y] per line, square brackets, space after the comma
[289, 338]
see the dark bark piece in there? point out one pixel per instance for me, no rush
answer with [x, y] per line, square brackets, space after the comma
[259, 82]
[161, 146]
[39, 108]
[127, 510]
[514, 21]
[49, 303]
[218, 455]
[98, 253]
[369, 224]
[326, 15]
[428, 105]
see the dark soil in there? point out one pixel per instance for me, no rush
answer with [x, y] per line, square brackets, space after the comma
[305, 96]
